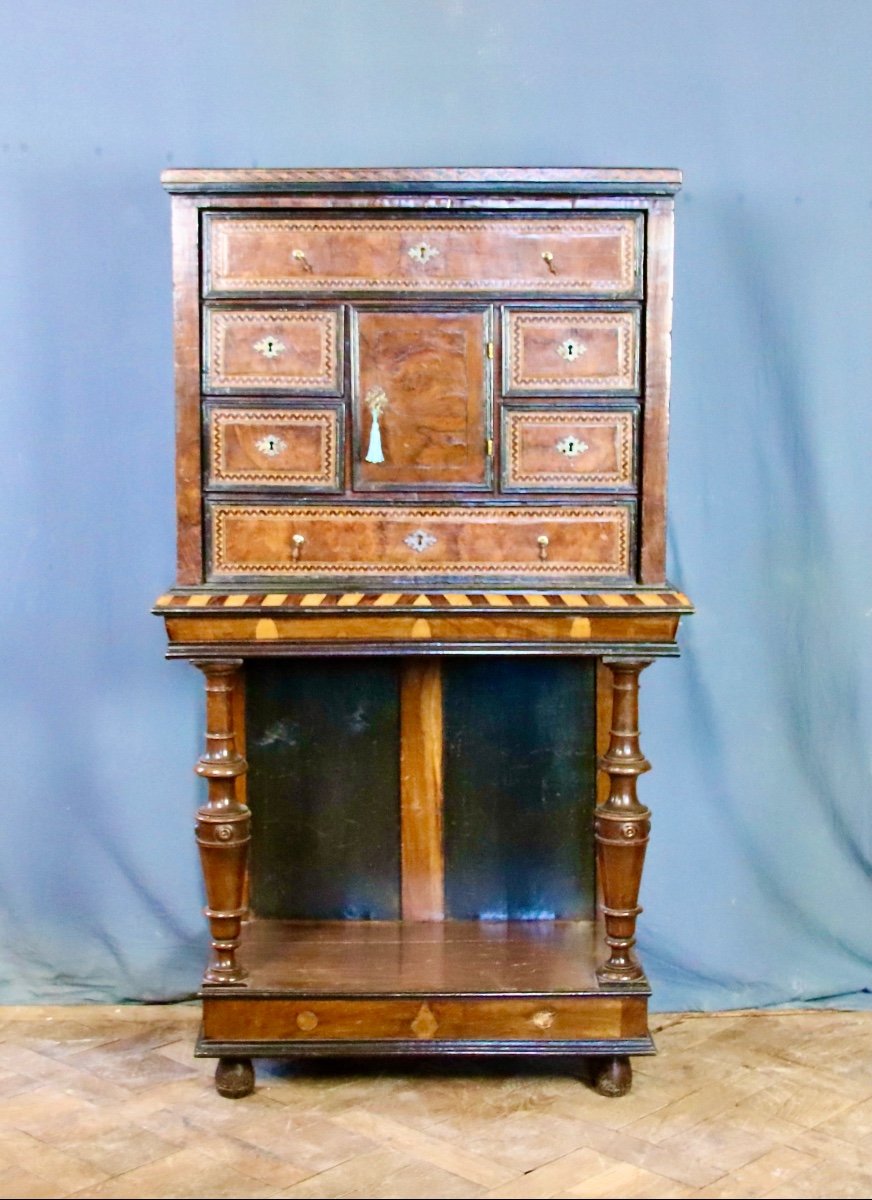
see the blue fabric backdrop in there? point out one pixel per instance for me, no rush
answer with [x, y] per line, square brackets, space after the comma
[758, 883]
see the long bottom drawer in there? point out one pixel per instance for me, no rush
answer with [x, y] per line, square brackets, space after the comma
[586, 541]
[425, 1019]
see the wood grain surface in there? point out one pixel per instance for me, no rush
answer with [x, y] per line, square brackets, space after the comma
[421, 793]
[422, 957]
[430, 369]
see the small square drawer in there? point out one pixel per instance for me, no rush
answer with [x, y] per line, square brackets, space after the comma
[571, 352]
[293, 448]
[567, 450]
[273, 350]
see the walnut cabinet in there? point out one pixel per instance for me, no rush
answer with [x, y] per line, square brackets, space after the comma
[421, 479]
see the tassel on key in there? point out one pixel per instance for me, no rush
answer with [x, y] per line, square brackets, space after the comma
[376, 401]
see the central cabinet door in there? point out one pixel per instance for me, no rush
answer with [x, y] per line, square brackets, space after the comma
[421, 394]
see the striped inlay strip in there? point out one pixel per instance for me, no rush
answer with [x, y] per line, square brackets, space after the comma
[614, 601]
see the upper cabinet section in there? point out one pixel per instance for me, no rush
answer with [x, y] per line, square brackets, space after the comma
[592, 255]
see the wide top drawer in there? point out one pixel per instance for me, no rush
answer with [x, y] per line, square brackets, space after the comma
[589, 255]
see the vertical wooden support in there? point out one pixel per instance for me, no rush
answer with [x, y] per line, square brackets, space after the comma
[239, 734]
[223, 822]
[604, 701]
[655, 410]
[186, 310]
[423, 870]
[622, 825]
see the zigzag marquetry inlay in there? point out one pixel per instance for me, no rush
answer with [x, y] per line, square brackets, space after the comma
[520, 419]
[323, 420]
[406, 230]
[625, 325]
[324, 378]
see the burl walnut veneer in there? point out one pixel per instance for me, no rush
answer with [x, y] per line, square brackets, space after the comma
[421, 477]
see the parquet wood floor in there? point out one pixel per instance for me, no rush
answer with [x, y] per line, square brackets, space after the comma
[108, 1102]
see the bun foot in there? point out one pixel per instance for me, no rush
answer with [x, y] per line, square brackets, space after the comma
[613, 1076]
[234, 1078]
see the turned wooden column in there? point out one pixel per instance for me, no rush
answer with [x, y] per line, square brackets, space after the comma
[622, 824]
[222, 823]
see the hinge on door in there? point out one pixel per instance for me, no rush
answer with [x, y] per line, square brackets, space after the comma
[490, 349]
[489, 446]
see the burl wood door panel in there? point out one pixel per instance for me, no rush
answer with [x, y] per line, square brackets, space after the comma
[576, 255]
[421, 399]
[567, 450]
[273, 350]
[297, 449]
[585, 541]
[570, 352]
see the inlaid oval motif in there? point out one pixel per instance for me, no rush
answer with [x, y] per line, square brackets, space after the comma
[543, 1019]
[307, 1021]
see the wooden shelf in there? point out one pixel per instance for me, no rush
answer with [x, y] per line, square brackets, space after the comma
[346, 958]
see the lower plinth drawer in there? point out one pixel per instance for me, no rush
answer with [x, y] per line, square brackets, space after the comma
[584, 541]
[425, 1020]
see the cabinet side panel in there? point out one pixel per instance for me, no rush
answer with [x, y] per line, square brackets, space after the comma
[520, 784]
[323, 788]
[655, 417]
[186, 334]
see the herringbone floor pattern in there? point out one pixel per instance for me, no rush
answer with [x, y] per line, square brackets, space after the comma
[108, 1102]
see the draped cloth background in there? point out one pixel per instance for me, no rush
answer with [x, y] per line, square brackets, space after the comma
[757, 888]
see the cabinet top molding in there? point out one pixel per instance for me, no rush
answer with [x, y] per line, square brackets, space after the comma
[658, 181]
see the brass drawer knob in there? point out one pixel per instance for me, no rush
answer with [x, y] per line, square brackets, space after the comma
[300, 257]
[548, 259]
[542, 541]
[297, 546]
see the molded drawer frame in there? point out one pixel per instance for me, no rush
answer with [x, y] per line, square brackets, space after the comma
[330, 416]
[271, 323]
[421, 527]
[569, 419]
[624, 381]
